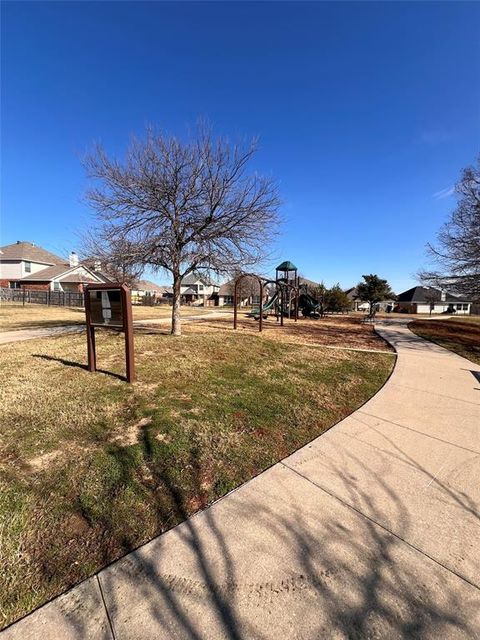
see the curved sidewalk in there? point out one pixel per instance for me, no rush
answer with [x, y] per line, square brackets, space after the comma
[370, 531]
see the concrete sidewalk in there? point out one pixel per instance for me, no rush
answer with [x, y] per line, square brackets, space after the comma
[370, 531]
[20, 335]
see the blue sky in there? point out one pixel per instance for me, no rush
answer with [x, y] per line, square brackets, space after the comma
[366, 113]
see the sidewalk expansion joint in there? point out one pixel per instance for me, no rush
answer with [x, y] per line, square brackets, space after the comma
[435, 393]
[378, 524]
[110, 622]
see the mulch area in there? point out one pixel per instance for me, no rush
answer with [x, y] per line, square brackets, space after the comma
[339, 331]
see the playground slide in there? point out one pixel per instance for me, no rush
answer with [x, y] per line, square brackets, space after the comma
[266, 307]
[308, 305]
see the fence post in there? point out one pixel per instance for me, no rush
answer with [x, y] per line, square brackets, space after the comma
[48, 297]
[24, 295]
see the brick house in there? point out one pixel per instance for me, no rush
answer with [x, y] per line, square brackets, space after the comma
[24, 265]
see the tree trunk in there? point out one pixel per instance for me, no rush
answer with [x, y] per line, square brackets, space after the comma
[176, 321]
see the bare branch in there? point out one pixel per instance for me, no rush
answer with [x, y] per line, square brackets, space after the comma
[457, 252]
[184, 206]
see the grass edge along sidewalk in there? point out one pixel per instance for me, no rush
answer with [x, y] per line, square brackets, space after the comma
[92, 468]
[460, 335]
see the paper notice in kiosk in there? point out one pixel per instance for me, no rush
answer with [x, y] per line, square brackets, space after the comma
[106, 308]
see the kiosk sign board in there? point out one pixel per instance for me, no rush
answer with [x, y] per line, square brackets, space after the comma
[106, 307]
[109, 306]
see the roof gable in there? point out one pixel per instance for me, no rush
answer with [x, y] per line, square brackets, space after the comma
[194, 278]
[64, 273]
[147, 285]
[19, 251]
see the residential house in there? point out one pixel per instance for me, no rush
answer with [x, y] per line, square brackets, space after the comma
[25, 265]
[430, 300]
[311, 286]
[142, 289]
[248, 292]
[362, 305]
[197, 289]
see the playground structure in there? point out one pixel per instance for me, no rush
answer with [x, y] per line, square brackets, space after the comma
[286, 298]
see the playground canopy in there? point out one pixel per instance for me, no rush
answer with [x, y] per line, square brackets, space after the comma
[287, 266]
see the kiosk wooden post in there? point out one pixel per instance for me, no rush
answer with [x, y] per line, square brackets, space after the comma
[109, 306]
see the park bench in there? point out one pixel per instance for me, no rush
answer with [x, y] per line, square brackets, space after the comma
[370, 317]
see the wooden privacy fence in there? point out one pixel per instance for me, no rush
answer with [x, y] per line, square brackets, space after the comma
[57, 298]
[67, 298]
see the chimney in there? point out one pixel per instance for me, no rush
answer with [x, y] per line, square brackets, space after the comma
[97, 265]
[73, 259]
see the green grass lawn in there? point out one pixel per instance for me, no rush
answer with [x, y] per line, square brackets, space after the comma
[461, 335]
[92, 467]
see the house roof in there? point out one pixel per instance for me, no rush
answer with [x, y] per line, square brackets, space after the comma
[28, 251]
[310, 283]
[226, 289]
[422, 295]
[147, 285]
[194, 277]
[351, 293]
[78, 278]
[248, 285]
[189, 292]
[63, 272]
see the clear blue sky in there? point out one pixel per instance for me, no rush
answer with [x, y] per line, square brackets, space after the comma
[366, 113]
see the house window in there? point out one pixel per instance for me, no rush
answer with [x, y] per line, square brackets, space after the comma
[56, 286]
[465, 307]
[200, 287]
[28, 266]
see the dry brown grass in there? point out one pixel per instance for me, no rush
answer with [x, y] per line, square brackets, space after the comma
[91, 467]
[16, 316]
[460, 335]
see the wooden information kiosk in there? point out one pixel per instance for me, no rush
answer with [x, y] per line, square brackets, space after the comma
[109, 306]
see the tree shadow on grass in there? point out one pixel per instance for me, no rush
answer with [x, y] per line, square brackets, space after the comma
[283, 558]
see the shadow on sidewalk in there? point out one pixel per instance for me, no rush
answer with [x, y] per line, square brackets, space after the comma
[347, 580]
[287, 566]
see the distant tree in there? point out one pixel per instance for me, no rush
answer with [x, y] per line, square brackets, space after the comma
[373, 290]
[457, 252]
[184, 206]
[248, 286]
[432, 296]
[319, 293]
[114, 257]
[336, 300]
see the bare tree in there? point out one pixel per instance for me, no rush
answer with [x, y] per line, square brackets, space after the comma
[114, 256]
[457, 252]
[432, 296]
[184, 206]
